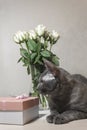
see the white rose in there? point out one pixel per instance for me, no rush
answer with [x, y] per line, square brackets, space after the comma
[55, 35]
[40, 29]
[16, 39]
[32, 34]
[26, 35]
[20, 36]
[42, 40]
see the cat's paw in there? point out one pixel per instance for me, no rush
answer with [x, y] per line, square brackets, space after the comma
[59, 119]
[50, 118]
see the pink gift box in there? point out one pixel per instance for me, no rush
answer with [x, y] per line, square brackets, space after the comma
[18, 111]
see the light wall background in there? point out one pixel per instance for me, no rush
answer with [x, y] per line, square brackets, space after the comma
[68, 17]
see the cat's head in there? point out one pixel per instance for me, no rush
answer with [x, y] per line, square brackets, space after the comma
[50, 79]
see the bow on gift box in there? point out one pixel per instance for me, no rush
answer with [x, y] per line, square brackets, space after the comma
[23, 96]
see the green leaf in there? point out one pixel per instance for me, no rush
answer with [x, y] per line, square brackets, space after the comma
[37, 59]
[24, 53]
[40, 62]
[33, 55]
[39, 45]
[25, 61]
[32, 45]
[28, 70]
[55, 60]
[46, 53]
[20, 59]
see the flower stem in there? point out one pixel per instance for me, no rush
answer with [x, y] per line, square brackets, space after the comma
[32, 72]
[21, 45]
[50, 47]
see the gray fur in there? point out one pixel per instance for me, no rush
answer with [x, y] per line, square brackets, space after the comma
[67, 94]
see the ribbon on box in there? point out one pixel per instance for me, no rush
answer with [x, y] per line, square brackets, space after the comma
[23, 96]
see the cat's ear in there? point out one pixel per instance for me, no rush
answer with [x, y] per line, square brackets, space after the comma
[52, 68]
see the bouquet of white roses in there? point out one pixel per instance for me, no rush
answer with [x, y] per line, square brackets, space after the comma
[35, 46]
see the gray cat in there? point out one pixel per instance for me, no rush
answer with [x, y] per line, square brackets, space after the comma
[67, 94]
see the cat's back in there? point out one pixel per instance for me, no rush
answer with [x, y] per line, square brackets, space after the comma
[80, 78]
[78, 97]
